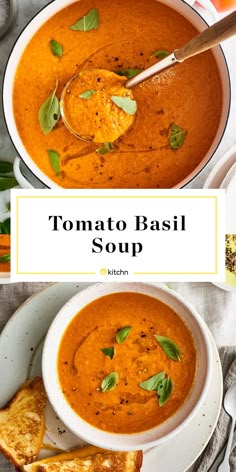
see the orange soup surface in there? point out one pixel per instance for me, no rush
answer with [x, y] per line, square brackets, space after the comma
[5, 252]
[83, 366]
[130, 35]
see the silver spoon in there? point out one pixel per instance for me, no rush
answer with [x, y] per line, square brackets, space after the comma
[230, 408]
[209, 38]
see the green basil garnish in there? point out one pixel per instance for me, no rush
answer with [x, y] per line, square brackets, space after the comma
[108, 351]
[87, 94]
[152, 383]
[6, 183]
[6, 167]
[129, 73]
[56, 48]
[122, 334]
[164, 390]
[126, 104]
[49, 113]
[109, 382]
[5, 226]
[107, 147]
[88, 22]
[54, 160]
[5, 258]
[169, 347]
[161, 54]
[177, 136]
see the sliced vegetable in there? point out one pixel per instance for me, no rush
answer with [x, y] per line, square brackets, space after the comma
[87, 94]
[164, 390]
[152, 383]
[108, 351]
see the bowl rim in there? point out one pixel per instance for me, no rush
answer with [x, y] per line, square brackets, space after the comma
[52, 384]
[23, 153]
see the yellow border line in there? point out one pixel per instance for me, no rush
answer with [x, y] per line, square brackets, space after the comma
[122, 197]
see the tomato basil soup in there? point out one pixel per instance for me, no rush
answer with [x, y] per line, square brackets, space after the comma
[126, 362]
[178, 111]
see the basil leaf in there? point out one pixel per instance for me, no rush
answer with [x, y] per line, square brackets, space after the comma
[107, 147]
[108, 351]
[6, 167]
[87, 94]
[129, 73]
[164, 390]
[5, 226]
[122, 334]
[54, 160]
[49, 113]
[109, 382]
[6, 183]
[161, 54]
[126, 104]
[8, 207]
[152, 383]
[5, 258]
[56, 48]
[169, 347]
[88, 22]
[177, 137]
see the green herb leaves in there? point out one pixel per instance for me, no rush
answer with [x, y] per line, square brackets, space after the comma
[164, 390]
[163, 386]
[107, 147]
[87, 94]
[129, 73]
[88, 22]
[6, 183]
[177, 136]
[49, 113]
[54, 158]
[152, 383]
[122, 334]
[5, 258]
[169, 347]
[108, 351]
[56, 48]
[5, 226]
[160, 54]
[128, 105]
[109, 382]
[6, 167]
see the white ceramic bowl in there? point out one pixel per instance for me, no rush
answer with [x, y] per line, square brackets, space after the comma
[155, 435]
[179, 5]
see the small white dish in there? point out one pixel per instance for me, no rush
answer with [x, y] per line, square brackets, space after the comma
[220, 170]
[160, 433]
[21, 344]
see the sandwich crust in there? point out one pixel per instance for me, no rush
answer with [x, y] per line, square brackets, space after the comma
[22, 424]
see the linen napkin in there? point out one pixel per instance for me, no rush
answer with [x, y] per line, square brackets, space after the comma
[208, 460]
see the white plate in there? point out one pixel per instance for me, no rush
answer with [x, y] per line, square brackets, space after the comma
[20, 358]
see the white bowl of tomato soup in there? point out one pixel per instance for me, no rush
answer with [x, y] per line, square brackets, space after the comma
[127, 365]
[192, 97]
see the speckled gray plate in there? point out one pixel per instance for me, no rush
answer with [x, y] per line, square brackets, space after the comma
[21, 345]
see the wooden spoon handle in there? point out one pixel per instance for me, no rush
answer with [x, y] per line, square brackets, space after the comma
[210, 37]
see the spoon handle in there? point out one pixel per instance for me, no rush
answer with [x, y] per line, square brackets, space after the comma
[224, 466]
[209, 38]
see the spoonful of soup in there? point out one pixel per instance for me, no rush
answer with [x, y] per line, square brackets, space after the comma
[98, 105]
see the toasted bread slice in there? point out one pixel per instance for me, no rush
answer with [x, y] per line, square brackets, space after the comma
[105, 462]
[80, 453]
[22, 424]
